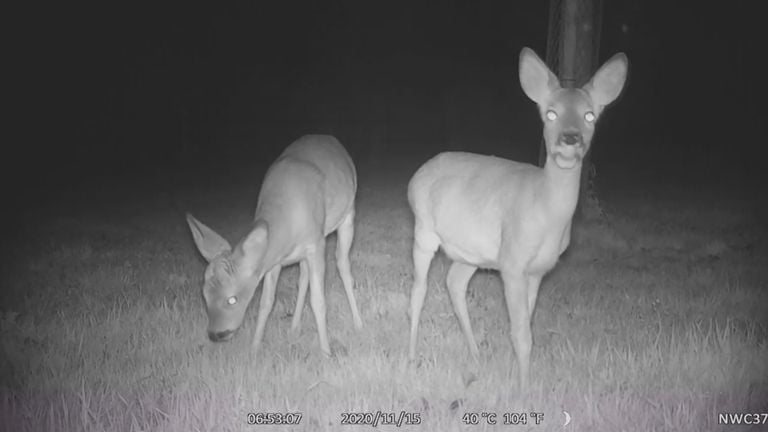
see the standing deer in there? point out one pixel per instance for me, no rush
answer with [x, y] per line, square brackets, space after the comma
[307, 193]
[509, 216]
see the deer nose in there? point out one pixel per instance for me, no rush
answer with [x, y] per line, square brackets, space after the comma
[220, 336]
[571, 138]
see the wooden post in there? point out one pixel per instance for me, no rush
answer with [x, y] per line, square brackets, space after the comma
[574, 34]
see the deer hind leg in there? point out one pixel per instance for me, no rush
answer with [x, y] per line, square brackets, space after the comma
[517, 297]
[425, 244]
[345, 234]
[458, 280]
[533, 291]
[265, 305]
[300, 298]
[316, 263]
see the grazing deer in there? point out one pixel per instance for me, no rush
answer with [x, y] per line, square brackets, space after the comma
[307, 193]
[509, 216]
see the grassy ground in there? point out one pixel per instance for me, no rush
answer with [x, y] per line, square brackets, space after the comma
[653, 321]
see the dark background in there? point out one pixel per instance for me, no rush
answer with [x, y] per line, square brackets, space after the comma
[170, 95]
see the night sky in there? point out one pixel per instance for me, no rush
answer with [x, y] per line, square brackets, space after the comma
[135, 92]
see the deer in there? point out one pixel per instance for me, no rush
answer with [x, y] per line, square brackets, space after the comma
[307, 193]
[512, 217]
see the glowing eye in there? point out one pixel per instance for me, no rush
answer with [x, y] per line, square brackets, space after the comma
[589, 116]
[232, 300]
[551, 115]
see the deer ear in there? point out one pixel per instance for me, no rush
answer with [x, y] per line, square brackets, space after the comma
[608, 81]
[208, 242]
[537, 80]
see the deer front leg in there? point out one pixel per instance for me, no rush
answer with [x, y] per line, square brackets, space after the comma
[265, 305]
[316, 262]
[301, 296]
[516, 294]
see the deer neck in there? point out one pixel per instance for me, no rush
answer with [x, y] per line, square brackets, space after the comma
[561, 188]
[280, 241]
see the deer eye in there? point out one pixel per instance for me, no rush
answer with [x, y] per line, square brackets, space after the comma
[551, 115]
[232, 300]
[589, 116]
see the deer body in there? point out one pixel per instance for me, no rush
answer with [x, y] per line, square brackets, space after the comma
[488, 212]
[307, 193]
[478, 223]
[322, 192]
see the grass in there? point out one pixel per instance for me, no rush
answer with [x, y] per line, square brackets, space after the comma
[654, 320]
